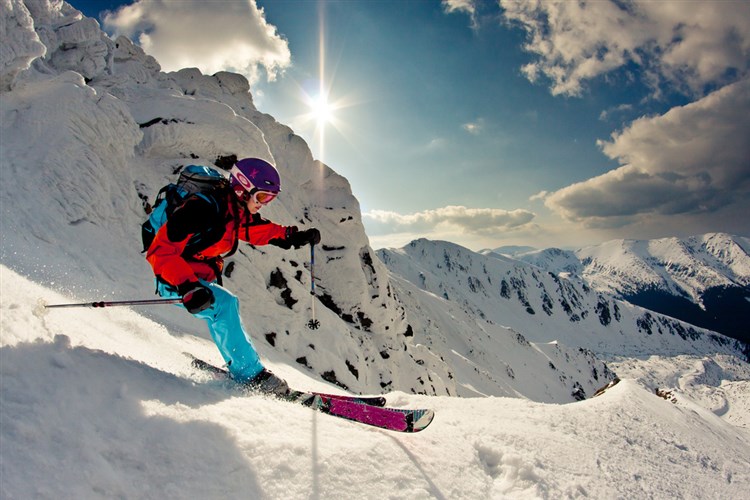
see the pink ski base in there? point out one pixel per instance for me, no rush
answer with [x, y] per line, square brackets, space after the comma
[379, 417]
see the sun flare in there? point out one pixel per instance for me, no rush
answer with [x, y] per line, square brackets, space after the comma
[321, 109]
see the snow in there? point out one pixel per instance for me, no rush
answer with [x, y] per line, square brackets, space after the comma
[718, 383]
[510, 294]
[685, 267]
[101, 403]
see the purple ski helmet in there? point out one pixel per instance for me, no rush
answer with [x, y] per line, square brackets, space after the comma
[254, 174]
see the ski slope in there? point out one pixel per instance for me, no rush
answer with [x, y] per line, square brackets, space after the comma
[103, 404]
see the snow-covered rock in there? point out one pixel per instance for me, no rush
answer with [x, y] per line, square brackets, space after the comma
[21, 44]
[92, 129]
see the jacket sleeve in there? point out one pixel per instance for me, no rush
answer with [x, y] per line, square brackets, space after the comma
[165, 252]
[259, 231]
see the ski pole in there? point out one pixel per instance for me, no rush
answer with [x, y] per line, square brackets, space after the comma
[313, 324]
[154, 302]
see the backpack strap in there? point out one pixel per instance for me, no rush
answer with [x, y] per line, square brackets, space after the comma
[236, 214]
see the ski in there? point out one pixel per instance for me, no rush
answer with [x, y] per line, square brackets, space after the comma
[392, 419]
[366, 410]
[224, 374]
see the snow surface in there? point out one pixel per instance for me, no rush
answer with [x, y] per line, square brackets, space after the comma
[685, 267]
[101, 403]
[501, 293]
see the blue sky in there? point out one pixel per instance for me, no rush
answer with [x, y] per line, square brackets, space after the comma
[489, 123]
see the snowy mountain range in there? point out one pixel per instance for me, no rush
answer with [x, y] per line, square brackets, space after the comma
[495, 290]
[703, 280]
[92, 128]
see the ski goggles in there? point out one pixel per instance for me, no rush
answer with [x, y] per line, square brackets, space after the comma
[259, 197]
[263, 197]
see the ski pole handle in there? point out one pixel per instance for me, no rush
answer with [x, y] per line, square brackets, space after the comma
[155, 302]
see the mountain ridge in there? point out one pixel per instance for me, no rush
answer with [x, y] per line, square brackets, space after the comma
[702, 279]
[541, 304]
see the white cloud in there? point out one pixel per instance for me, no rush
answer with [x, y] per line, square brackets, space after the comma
[475, 127]
[622, 108]
[455, 218]
[540, 196]
[212, 36]
[694, 159]
[436, 143]
[465, 6]
[687, 44]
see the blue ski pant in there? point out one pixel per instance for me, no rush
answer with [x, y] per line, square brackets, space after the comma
[225, 324]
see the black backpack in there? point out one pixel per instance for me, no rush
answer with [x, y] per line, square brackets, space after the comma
[194, 180]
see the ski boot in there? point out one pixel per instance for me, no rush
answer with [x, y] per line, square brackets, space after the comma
[269, 383]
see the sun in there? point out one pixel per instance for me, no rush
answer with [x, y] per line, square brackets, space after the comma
[321, 109]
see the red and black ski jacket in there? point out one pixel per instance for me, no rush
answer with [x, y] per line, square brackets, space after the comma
[198, 236]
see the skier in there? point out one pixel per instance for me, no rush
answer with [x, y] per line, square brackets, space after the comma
[195, 276]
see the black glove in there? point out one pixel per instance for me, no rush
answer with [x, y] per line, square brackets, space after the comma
[301, 238]
[285, 242]
[195, 297]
